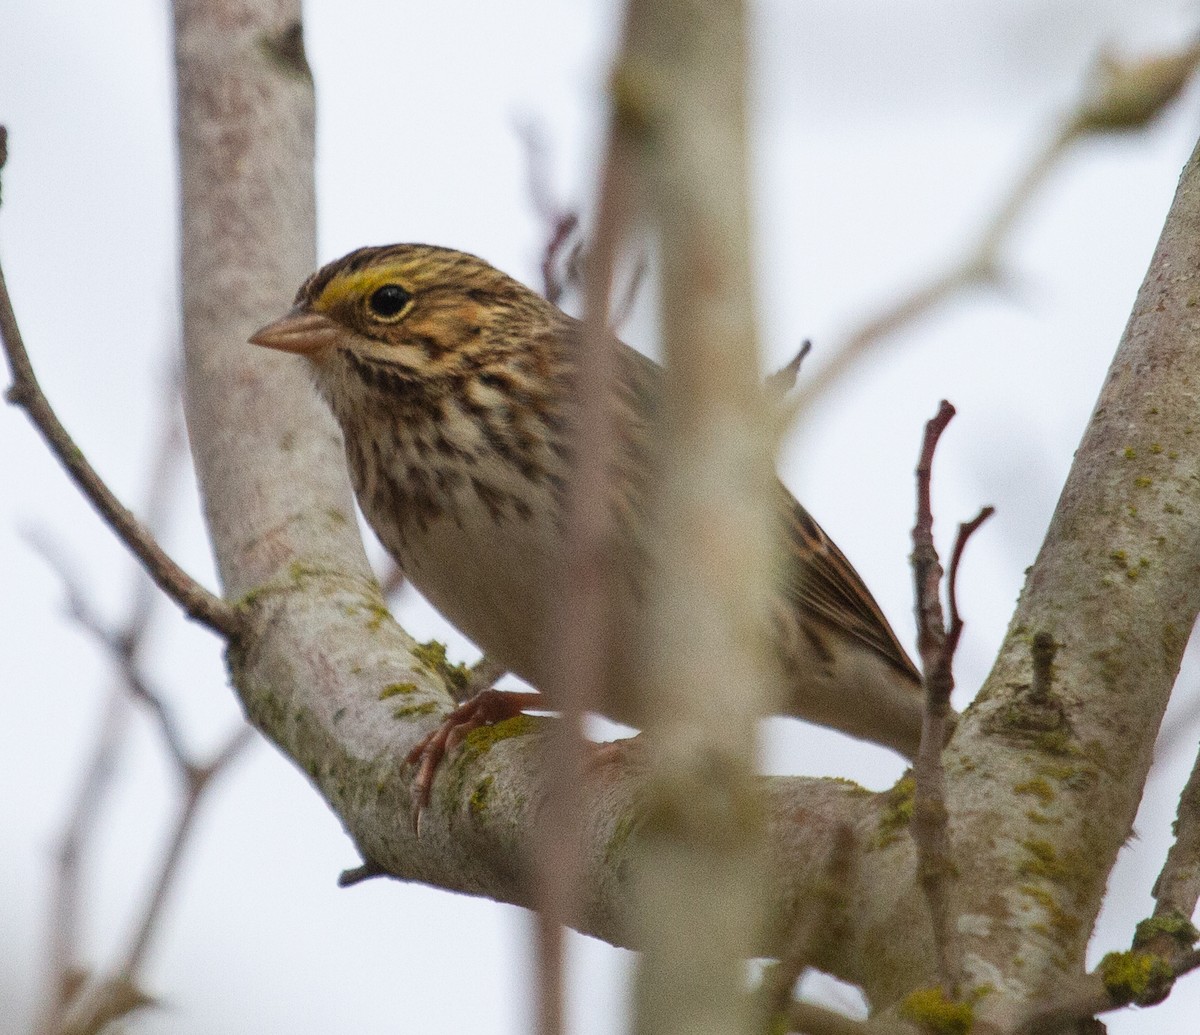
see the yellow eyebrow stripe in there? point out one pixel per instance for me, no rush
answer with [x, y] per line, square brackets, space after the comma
[361, 284]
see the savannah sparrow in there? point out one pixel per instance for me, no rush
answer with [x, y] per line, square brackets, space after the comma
[452, 384]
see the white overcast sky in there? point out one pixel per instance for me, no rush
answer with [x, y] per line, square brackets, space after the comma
[883, 129]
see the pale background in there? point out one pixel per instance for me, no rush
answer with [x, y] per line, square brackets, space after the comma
[883, 131]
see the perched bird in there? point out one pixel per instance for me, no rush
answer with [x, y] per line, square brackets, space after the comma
[453, 386]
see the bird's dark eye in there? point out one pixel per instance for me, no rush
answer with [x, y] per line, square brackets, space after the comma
[388, 301]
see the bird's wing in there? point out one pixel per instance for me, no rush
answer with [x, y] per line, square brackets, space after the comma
[820, 581]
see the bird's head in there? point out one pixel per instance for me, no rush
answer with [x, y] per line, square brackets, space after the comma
[413, 308]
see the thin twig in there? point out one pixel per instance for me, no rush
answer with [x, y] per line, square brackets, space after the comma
[124, 646]
[560, 223]
[784, 379]
[119, 994]
[1178, 886]
[66, 977]
[965, 530]
[75, 1004]
[196, 601]
[1131, 95]
[930, 818]
[65, 973]
[199, 777]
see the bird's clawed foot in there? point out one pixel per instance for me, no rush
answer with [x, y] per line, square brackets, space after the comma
[484, 709]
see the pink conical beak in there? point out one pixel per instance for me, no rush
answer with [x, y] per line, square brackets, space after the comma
[301, 332]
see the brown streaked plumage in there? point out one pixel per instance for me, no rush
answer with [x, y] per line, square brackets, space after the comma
[452, 383]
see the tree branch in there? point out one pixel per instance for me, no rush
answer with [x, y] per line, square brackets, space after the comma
[584, 637]
[197, 603]
[1178, 886]
[1121, 96]
[935, 864]
[1079, 749]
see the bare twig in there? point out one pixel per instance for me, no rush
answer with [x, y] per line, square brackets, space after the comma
[1127, 96]
[119, 994]
[196, 601]
[937, 643]
[198, 778]
[1178, 886]
[560, 223]
[75, 1004]
[65, 973]
[965, 530]
[124, 646]
[784, 379]
[930, 819]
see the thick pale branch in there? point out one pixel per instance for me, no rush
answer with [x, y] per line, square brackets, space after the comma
[584, 635]
[1116, 588]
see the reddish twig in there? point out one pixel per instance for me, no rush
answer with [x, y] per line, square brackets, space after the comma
[930, 832]
[560, 223]
[931, 631]
[965, 530]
